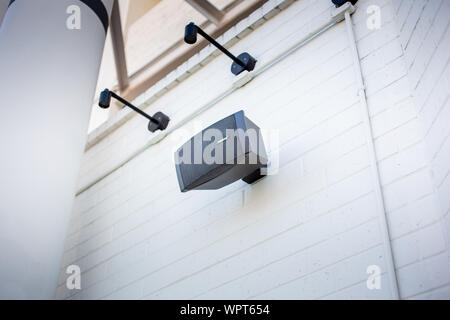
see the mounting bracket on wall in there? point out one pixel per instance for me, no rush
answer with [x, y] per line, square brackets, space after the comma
[240, 63]
[159, 121]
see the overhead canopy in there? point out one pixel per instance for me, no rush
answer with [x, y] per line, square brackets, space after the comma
[218, 16]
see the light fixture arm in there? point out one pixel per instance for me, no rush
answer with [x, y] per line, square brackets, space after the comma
[240, 63]
[159, 121]
[219, 46]
[128, 104]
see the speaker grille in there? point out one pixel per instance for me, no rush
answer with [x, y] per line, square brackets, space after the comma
[197, 172]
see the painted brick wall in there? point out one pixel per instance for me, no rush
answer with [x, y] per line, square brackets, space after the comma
[311, 230]
[425, 40]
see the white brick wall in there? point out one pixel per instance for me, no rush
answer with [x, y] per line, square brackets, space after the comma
[424, 35]
[309, 231]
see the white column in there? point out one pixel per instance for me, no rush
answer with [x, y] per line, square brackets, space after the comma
[3, 7]
[48, 75]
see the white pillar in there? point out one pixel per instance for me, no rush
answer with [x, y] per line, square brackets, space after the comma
[3, 7]
[48, 75]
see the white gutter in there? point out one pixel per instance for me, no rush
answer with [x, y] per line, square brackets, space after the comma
[384, 226]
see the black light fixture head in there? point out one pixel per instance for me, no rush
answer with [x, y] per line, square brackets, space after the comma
[159, 121]
[190, 33]
[244, 62]
[105, 99]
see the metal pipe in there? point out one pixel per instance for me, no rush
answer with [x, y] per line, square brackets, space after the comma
[128, 104]
[384, 226]
[220, 47]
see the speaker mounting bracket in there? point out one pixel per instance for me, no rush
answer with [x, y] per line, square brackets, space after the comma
[254, 176]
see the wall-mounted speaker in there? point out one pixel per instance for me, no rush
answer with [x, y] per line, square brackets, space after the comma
[229, 150]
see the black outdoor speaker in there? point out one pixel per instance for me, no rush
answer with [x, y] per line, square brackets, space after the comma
[339, 3]
[229, 150]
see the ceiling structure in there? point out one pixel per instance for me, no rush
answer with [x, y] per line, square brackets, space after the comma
[218, 20]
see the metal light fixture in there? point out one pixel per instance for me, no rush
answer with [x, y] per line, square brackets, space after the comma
[159, 121]
[242, 62]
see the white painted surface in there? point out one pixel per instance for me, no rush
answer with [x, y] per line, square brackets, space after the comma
[425, 40]
[3, 8]
[308, 232]
[47, 80]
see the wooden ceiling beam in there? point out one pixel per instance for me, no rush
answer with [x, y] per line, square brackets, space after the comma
[119, 47]
[146, 78]
[207, 9]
